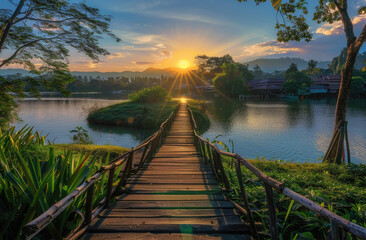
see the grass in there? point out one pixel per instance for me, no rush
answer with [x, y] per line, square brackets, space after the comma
[199, 110]
[113, 151]
[135, 115]
[339, 188]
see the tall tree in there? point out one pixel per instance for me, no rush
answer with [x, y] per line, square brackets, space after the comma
[293, 27]
[38, 34]
[311, 66]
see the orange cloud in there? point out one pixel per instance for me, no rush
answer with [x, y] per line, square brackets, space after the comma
[337, 27]
[268, 48]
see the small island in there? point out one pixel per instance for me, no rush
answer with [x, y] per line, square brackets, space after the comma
[147, 109]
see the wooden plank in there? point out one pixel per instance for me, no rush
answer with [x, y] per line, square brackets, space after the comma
[172, 204]
[162, 197]
[172, 187]
[173, 192]
[176, 155]
[167, 213]
[176, 176]
[229, 224]
[164, 236]
[172, 181]
[177, 172]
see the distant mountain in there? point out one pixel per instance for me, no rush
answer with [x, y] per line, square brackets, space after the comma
[4, 72]
[280, 64]
[150, 72]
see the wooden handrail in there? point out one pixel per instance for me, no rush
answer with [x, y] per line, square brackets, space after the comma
[338, 224]
[36, 225]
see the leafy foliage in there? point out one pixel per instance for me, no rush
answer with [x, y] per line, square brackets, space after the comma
[231, 81]
[297, 81]
[31, 180]
[135, 115]
[150, 95]
[81, 136]
[43, 32]
[339, 188]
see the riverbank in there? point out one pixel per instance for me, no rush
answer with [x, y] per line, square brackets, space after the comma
[339, 188]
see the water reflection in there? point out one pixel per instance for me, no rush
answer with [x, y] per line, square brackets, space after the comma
[285, 129]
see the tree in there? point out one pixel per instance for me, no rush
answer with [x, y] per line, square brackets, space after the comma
[296, 81]
[293, 27]
[43, 32]
[258, 73]
[231, 81]
[358, 86]
[212, 64]
[292, 69]
[311, 66]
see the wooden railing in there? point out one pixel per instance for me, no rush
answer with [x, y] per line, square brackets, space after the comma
[213, 156]
[135, 157]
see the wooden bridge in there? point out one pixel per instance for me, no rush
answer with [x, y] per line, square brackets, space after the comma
[174, 195]
[170, 187]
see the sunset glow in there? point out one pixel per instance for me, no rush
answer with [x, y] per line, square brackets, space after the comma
[183, 64]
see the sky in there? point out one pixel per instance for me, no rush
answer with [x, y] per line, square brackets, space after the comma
[163, 33]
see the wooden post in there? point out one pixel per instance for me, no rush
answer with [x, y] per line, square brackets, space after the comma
[253, 229]
[142, 160]
[109, 187]
[130, 162]
[203, 149]
[124, 174]
[336, 232]
[223, 174]
[89, 204]
[272, 212]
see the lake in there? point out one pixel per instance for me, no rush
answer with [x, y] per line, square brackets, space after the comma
[293, 130]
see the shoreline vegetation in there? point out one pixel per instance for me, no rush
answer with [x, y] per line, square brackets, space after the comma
[147, 109]
[339, 188]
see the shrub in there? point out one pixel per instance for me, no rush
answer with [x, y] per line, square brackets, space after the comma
[150, 95]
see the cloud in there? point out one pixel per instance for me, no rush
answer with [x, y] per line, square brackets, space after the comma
[337, 27]
[268, 48]
[142, 63]
[115, 55]
[160, 45]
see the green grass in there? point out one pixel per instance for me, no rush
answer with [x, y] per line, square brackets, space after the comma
[114, 151]
[340, 188]
[199, 110]
[135, 115]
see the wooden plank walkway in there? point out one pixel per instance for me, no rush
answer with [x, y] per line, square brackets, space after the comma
[175, 196]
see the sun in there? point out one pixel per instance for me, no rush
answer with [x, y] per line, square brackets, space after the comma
[183, 64]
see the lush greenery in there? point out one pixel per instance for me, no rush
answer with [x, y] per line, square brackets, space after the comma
[150, 95]
[231, 81]
[34, 176]
[131, 114]
[296, 82]
[43, 32]
[81, 136]
[340, 188]
[102, 150]
[199, 110]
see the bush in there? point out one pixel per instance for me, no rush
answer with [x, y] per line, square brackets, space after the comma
[150, 95]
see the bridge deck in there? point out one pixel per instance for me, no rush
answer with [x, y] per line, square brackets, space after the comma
[175, 196]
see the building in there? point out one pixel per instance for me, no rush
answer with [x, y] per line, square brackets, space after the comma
[271, 86]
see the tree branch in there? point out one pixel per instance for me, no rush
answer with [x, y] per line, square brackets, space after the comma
[6, 61]
[10, 24]
[347, 22]
[362, 38]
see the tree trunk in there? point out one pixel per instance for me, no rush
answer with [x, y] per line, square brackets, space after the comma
[335, 149]
[345, 87]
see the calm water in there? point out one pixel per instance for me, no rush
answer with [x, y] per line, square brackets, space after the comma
[287, 130]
